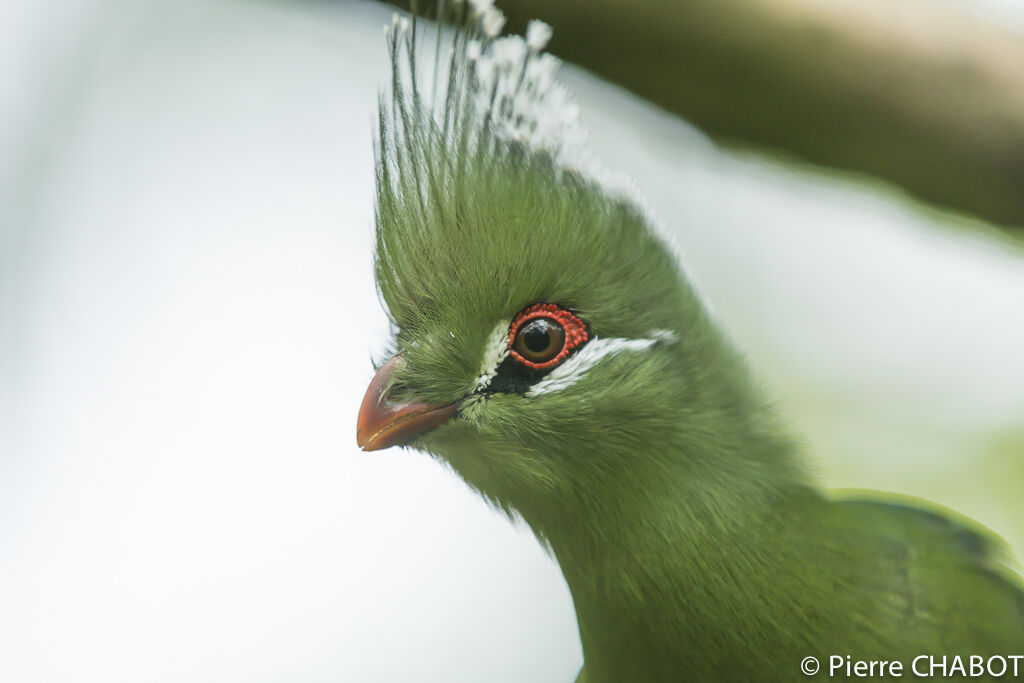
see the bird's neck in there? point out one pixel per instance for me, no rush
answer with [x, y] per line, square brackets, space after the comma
[651, 564]
[684, 490]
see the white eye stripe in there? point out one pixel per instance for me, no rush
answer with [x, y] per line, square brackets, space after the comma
[495, 352]
[573, 369]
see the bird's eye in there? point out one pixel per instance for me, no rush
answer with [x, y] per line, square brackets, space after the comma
[540, 340]
[543, 335]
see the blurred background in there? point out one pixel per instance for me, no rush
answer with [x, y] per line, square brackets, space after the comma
[187, 311]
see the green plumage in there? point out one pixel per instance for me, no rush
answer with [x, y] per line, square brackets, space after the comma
[695, 546]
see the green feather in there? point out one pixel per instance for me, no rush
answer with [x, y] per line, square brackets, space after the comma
[694, 544]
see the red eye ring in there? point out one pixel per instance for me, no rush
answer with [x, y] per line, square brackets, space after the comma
[575, 333]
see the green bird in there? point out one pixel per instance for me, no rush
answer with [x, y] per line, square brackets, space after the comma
[549, 348]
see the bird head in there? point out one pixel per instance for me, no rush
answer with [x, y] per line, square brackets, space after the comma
[547, 345]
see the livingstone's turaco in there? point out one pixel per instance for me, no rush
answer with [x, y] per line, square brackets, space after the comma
[549, 348]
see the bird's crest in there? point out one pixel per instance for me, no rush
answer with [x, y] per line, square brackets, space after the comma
[488, 202]
[468, 115]
[482, 96]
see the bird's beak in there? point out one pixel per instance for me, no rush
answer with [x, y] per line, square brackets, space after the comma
[383, 423]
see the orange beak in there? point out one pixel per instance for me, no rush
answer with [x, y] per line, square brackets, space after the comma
[383, 423]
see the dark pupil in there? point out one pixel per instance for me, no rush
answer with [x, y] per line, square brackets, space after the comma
[537, 336]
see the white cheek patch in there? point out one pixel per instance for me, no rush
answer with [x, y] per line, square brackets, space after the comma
[495, 352]
[573, 370]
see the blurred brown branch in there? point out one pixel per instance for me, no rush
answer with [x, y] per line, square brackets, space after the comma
[911, 91]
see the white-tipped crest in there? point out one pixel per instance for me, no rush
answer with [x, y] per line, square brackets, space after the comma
[537, 35]
[487, 90]
[493, 22]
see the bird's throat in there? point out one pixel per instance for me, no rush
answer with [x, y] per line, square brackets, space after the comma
[647, 570]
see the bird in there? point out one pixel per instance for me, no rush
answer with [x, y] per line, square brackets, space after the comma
[550, 349]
